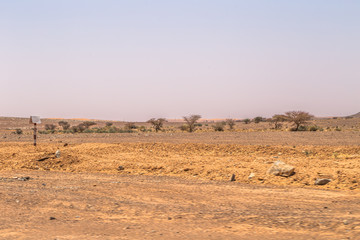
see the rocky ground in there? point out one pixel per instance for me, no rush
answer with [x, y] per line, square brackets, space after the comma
[177, 186]
[61, 205]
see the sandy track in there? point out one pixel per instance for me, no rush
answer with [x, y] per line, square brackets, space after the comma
[108, 206]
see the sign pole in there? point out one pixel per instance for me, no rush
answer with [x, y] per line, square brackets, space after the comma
[35, 134]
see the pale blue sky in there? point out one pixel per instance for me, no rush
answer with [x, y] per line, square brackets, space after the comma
[133, 60]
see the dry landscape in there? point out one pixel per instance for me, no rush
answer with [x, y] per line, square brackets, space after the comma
[176, 185]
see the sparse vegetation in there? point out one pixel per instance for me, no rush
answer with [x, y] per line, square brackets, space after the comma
[129, 126]
[65, 125]
[298, 118]
[219, 126]
[247, 120]
[277, 120]
[191, 121]
[258, 119]
[108, 124]
[230, 123]
[157, 123]
[18, 131]
[50, 127]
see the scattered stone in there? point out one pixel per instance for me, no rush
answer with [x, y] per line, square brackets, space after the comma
[251, 175]
[42, 159]
[280, 168]
[345, 222]
[65, 145]
[232, 178]
[169, 218]
[120, 168]
[322, 181]
[23, 178]
[57, 154]
[52, 218]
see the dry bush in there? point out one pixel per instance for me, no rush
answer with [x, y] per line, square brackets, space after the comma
[65, 125]
[50, 127]
[129, 126]
[247, 120]
[219, 126]
[157, 123]
[230, 123]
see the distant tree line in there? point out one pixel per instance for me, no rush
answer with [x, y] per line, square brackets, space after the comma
[298, 119]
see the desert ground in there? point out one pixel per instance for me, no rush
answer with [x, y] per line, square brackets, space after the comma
[176, 185]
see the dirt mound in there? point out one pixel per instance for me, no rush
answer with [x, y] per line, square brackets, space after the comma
[193, 160]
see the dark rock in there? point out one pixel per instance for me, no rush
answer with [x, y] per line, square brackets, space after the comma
[322, 181]
[120, 168]
[52, 218]
[232, 178]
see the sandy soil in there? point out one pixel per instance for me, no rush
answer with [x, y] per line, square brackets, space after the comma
[54, 205]
[177, 186]
[219, 162]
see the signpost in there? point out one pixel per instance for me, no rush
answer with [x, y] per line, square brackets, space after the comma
[35, 120]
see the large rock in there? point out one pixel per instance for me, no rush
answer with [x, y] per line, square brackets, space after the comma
[280, 168]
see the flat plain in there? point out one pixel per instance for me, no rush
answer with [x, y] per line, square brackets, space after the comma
[176, 185]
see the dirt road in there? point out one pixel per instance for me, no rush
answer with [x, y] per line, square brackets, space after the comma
[112, 206]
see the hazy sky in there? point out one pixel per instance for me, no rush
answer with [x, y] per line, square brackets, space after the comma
[133, 60]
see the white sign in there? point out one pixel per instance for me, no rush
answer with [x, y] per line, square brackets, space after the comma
[35, 119]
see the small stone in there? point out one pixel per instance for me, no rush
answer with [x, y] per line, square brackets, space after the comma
[251, 175]
[57, 154]
[345, 222]
[66, 144]
[52, 218]
[322, 181]
[120, 168]
[24, 178]
[169, 218]
[232, 178]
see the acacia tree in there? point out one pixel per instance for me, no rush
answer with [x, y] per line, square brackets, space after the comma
[298, 118]
[277, 119]
[190, 122]
[247, 121]
[157, 123]
[230, 123]
[258, 119]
